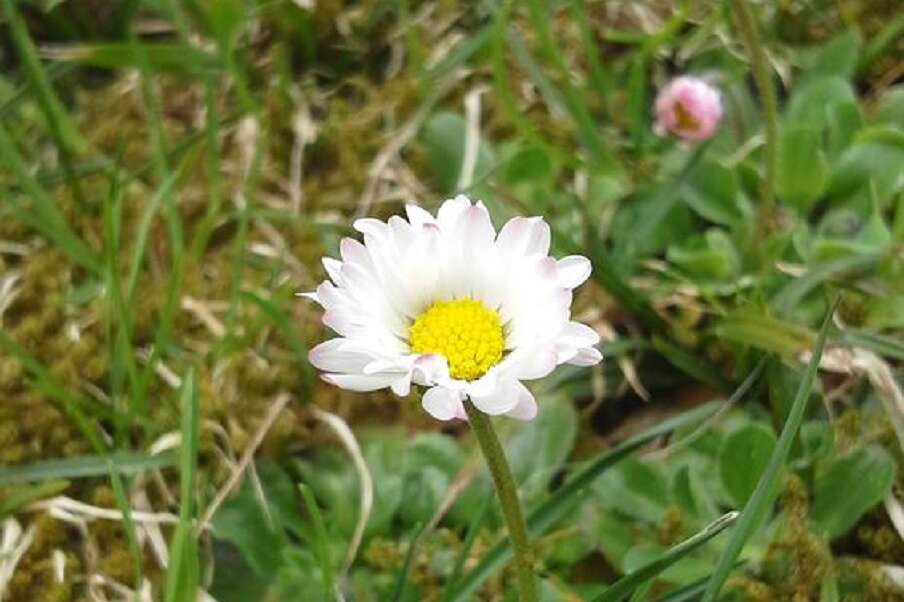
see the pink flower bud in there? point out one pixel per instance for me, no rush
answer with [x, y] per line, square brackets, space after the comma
[689, 108]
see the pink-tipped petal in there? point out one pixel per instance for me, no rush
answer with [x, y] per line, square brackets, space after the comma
[526, 408]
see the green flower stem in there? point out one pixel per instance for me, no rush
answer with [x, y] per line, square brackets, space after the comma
[508, 500]
[747, 27]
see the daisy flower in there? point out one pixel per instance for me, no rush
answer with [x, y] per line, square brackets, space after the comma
[447, 303]
[689, 108]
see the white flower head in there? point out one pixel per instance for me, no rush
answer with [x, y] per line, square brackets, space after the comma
[447, 303]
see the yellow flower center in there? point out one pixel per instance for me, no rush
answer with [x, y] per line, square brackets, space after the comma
[464, 332]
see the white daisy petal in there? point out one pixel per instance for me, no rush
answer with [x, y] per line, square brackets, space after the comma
[442, 403]
[361, 382]
[418, 216]
[530, 364]
[526, 408]
[501, 400]
[573, 271]
[333, 268]
[430, 369]
[330, 356]
[588, 356]
[449, 213]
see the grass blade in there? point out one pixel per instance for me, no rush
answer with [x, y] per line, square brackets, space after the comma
[629, 583]
[61, 128]
[183, 573]
[123, 463]
[176, 58]
[470, 538]
[43, 214]
[321, 541]
[557, 504]
[23, 496]
[122, 500]
[883, 345]
[398, 593]
[765, 491]
[287, 329]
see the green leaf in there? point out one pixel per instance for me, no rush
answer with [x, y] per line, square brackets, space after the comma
[811, 102]
[443, 135]
[763, 331]
[712, 256]
[627, 584]
[843, 233]
[764, 494]
[682, 572]
[712, 192]
[744, 456]
[635, 488]
[890, 108]
[539, 449]
[850, 486]
[838, 57]
[803, 172]
[869, 165]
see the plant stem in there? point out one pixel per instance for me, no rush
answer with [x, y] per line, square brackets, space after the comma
[508, 500]
[747, 27]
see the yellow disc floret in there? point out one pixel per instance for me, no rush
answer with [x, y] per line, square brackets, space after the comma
[464, 332]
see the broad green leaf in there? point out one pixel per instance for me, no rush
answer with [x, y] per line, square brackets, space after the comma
[843, 233]
[811, 102]
[837, 57]
[635, 488]
[712, 192]
[443, 135]
[539, 449]
[612, 533]
[851, 485]
[868, 166]
[743, 458]
[890, 108]
[803, 172]
[763, 331]
[712, 256]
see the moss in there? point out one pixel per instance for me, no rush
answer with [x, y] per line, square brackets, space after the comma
[35, 578]
[797, 560]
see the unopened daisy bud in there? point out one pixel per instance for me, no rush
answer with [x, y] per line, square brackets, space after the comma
[448, 303]
[689, 108]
